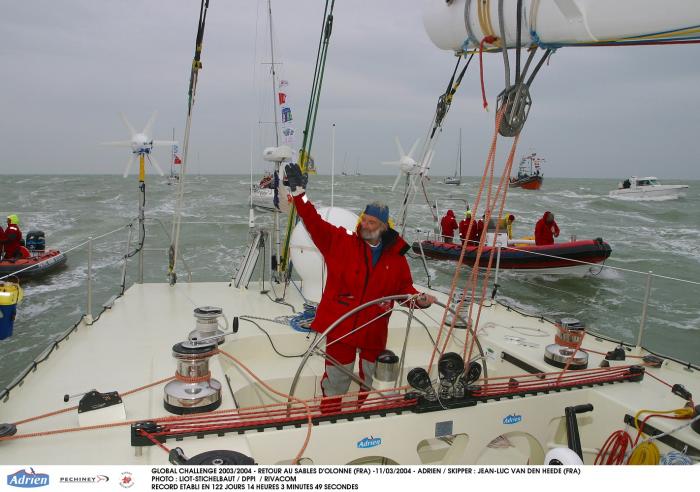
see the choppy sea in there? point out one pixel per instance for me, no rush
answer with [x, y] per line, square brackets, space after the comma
[662, 236]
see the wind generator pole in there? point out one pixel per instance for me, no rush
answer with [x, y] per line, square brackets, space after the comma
[142, 213]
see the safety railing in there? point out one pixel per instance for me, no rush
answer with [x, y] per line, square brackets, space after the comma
[645, 298]
[99, 267]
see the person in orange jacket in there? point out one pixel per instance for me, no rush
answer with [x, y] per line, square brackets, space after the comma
[464, 228]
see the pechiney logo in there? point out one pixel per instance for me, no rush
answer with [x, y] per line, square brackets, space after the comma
[369, 442]
[27, 480]
[512, 419]
[126, 480]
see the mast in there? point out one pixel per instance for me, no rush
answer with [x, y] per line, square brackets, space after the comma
[460, 153]
[274, 75]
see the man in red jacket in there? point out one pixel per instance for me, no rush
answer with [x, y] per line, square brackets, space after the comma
[448, 224]
[546, 230]
[363, 265]
[13, 238]
[464, 227]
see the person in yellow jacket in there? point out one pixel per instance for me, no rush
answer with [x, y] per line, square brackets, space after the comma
[506, 224]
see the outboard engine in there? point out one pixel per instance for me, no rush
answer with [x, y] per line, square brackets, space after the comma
[36, 241]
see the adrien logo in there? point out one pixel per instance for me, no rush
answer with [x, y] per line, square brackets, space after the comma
[27, 480]
[512, 419]
[369, 442]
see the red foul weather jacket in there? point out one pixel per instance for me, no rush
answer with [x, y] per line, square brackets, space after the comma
[545, 233]
[352, 280]
[448, 224]
[13, 241]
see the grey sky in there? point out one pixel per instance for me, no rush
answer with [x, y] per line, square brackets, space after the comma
[69, 67]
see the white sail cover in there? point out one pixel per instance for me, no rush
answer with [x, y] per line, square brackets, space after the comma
[462, 24]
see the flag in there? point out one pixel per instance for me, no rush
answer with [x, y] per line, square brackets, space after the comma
[282, 97]
[283, 83]
[286, 115]
[177, 159]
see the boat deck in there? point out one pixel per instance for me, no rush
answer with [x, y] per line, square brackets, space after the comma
[130, 346]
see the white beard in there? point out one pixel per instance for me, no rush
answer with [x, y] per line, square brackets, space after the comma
[370, 236]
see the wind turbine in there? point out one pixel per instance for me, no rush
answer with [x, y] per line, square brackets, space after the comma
[407, 164]
[141, 144]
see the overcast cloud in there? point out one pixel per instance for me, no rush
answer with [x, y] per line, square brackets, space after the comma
[70, 66]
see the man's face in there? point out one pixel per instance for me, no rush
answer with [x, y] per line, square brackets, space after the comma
[370, 228]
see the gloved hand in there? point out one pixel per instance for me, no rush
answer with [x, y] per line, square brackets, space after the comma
[297, 181]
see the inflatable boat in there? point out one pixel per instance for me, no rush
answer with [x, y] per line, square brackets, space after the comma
[40, 262]
[523, 256]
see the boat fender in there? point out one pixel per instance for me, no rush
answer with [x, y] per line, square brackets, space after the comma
[7, 430]
[680, 390]
[221, 457]
[562, 456]
[617, 354]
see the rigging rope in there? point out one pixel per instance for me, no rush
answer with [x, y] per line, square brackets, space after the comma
[310, 126]
[194, 76]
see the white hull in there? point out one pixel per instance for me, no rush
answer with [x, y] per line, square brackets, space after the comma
[651, 193]
[570, 271]
[130, 346]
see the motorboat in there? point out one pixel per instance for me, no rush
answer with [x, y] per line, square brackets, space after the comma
[529, 175]
[34, 265]
[575, 257]
[647, 188]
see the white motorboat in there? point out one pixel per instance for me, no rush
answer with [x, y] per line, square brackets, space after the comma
[647, 188]
[138, 385]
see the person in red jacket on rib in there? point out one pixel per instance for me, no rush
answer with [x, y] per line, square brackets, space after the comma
[363, 265]
[546, 229]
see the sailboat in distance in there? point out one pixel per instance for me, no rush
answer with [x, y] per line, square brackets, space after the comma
[457, 180]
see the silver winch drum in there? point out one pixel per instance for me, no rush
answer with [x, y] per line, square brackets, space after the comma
[570, 332]
[207, 324]
[559, 355]
[386, 368]
[193, 390]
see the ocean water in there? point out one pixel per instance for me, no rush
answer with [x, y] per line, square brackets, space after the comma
[663, 237]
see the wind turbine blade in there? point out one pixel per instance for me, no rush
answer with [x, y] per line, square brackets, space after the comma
[396, 181]
[391, 163]
[128, 165]
[152, 160]
[149, 125]
[128, 125]
[158, 143]
[413, 148]
[118, 143]
[399, 148]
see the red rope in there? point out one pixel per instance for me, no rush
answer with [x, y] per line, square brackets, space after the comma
[490, 40]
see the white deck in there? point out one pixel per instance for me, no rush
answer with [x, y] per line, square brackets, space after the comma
[130, 346]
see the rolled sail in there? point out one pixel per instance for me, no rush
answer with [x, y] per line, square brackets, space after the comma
[460, 25]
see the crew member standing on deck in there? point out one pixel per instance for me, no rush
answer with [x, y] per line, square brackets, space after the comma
[448, 224]
[363, 265]
[464, 228]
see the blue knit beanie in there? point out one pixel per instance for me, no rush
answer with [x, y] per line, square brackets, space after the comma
[378, 210]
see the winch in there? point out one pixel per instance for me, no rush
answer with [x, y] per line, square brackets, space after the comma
[567, 341]
[194, 390]
[208, 324]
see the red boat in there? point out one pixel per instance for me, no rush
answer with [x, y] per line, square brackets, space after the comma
[529, 174]
[39, 263]
[557, 258]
